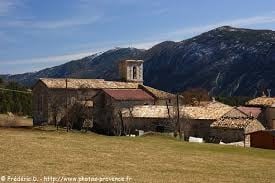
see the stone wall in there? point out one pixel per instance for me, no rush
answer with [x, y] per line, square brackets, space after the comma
[148, 124]
[40, 104]
[270, 117]
[196, 128]
[107, 112]
[50, 104]
[126, 71]
[228, 135]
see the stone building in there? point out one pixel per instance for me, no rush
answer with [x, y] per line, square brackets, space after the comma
[131, 71]
[267, 105]
[201, 117]
[235, 126]
[194, 120]
[54, 97]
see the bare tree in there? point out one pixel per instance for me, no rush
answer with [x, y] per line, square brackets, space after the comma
[194, 96]
[80, 116]
[119, 125]
[56, 106]
[177, 118]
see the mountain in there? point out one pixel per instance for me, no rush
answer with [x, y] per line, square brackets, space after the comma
[225, 61]
[101, 65]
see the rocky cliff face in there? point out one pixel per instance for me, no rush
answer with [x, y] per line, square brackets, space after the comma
[225, 61]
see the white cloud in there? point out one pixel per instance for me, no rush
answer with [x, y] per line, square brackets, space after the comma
[50, 59]
[64, 23]
[50, 24]
[58, 59]
[7, 6]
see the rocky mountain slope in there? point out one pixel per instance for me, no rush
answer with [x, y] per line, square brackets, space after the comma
[225, 61]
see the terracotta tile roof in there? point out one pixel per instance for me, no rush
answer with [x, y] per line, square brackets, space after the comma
[157, 93]
[147, 111]
[235, 113]
[128, 94]
[262, 101]
[86, 83]
[233, 123]
[254, 111]
[212, 111]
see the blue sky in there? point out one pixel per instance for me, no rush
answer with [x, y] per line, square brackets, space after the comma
[36, 34]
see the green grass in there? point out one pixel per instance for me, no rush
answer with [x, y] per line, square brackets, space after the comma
[40, 153]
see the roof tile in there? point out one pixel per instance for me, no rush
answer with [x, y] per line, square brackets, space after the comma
[128, 94]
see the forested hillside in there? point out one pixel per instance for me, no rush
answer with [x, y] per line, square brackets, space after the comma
[14, 98]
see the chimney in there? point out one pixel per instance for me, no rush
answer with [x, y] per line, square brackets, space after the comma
[213, 99]
[269, 92]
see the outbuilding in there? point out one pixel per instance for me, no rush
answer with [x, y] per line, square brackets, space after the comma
[235, 126]
[263, 139]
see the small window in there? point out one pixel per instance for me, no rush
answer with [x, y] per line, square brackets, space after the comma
[134, 72]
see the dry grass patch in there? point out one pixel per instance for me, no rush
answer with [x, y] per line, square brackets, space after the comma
[15, 121]
[145, 159]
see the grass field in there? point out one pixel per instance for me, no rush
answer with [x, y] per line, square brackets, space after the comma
[39, 153]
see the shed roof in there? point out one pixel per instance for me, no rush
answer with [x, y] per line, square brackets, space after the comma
[235, 113]
[271, 132]
[128, 94]
[157, 93]
[262, 101]
[254, 111]
[212, 111]
[147, 111]
[60, 83]
[233, 123]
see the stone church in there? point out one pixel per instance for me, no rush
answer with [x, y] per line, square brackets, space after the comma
[54, 98]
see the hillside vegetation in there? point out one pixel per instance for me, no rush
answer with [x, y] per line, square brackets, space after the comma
[15, 98]
[225, 61]
[144, 159]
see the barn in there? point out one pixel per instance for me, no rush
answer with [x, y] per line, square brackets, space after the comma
[194, 120]
[263, 139]
[235, 126]
[267, 105]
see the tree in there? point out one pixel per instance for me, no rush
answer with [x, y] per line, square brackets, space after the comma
[78, 117]
[56, 109]
[233, 100]
[194, 96]
[15, 98]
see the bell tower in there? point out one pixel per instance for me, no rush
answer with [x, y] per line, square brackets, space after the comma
[131, 71]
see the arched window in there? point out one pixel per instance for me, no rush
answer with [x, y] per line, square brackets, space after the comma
[134, 72]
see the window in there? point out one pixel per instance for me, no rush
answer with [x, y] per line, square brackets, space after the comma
[134, 72]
